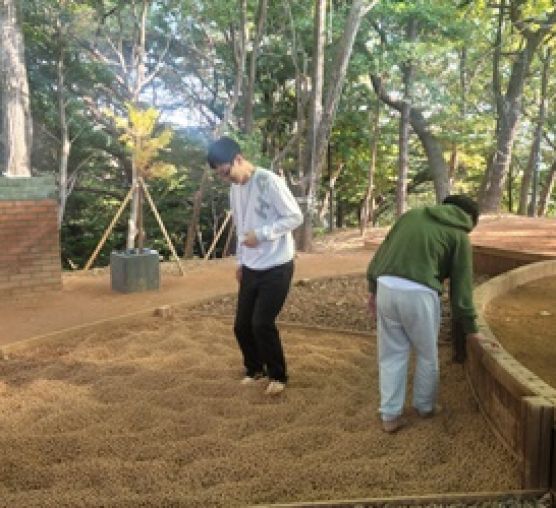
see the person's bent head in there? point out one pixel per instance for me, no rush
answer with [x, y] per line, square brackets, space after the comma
[225, 157]
[469, 206]
[223, 151]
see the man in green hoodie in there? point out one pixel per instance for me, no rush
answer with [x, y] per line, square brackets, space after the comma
[406, 277]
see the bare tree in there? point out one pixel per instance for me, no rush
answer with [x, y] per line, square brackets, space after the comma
[122, 47]
[547, 190]
[238, 35]
[17, 122]
[301, 94]
[322, 118]
[530, 174]
[367, 207]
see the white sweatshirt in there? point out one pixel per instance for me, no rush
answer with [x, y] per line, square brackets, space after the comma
[266, 205]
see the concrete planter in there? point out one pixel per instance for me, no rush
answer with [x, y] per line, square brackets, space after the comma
[134, 271]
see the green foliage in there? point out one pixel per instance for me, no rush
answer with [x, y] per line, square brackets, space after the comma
[139, 139]
[190, 54]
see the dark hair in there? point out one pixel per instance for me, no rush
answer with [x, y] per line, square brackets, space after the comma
[465, 203]
[222, 151]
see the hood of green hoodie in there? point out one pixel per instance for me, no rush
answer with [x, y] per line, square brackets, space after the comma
[451, 215]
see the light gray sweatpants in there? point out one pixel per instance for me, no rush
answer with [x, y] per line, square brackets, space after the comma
[407, 319]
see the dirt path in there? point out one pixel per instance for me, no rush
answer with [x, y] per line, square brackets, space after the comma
[87, 298]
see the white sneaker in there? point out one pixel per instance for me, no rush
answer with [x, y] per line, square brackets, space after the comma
[251, 380]
[275, 388]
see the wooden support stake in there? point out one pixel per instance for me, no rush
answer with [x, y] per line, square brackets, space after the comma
[226, 249]
[108, 230]
[161, 224]
[217, 236]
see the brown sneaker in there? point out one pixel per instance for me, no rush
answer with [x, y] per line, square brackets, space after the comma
[394, 425]
[437, 409]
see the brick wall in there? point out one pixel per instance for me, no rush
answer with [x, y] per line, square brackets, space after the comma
[29, 237]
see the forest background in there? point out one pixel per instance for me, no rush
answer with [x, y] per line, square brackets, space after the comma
[365, 107]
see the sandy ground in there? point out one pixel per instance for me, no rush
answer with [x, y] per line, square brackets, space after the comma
[150, 413]
[524, 320]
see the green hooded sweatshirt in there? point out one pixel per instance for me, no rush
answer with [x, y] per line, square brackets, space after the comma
[428, 245]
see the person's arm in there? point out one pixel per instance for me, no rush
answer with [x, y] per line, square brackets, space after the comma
[289, 213]
[461, 286]
[238, 226]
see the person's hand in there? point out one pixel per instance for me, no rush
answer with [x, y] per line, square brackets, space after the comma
[475, 336]
[479, 337]
[239, 273]
[371, 304]
[250, 239]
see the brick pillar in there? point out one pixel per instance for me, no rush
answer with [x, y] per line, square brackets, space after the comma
[29, 236]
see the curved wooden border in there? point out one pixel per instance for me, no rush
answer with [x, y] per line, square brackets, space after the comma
[495, 260]
[519, 406]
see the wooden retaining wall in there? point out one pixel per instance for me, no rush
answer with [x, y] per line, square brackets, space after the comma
[494, 261]
[520, 407]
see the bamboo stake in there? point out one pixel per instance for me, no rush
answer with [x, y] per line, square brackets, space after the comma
[217, 236]
[161, 224]
[226, 250]
[108, 230]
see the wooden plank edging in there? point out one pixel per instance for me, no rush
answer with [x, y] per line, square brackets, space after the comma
[519, 405]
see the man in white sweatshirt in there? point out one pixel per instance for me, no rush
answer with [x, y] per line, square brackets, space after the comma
[265, 214]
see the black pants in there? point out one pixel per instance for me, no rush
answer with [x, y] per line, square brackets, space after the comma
[262, 294]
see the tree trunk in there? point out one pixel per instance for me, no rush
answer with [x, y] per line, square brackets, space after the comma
[403, 162]
[454, 162]
[65, 143]
[250, 91]
[17, 122]
[328, 200]
[305, 238]
[193, 227]
[547, 190]
[132, 226]
[536, 148]
[367, 208]
[454, 154]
